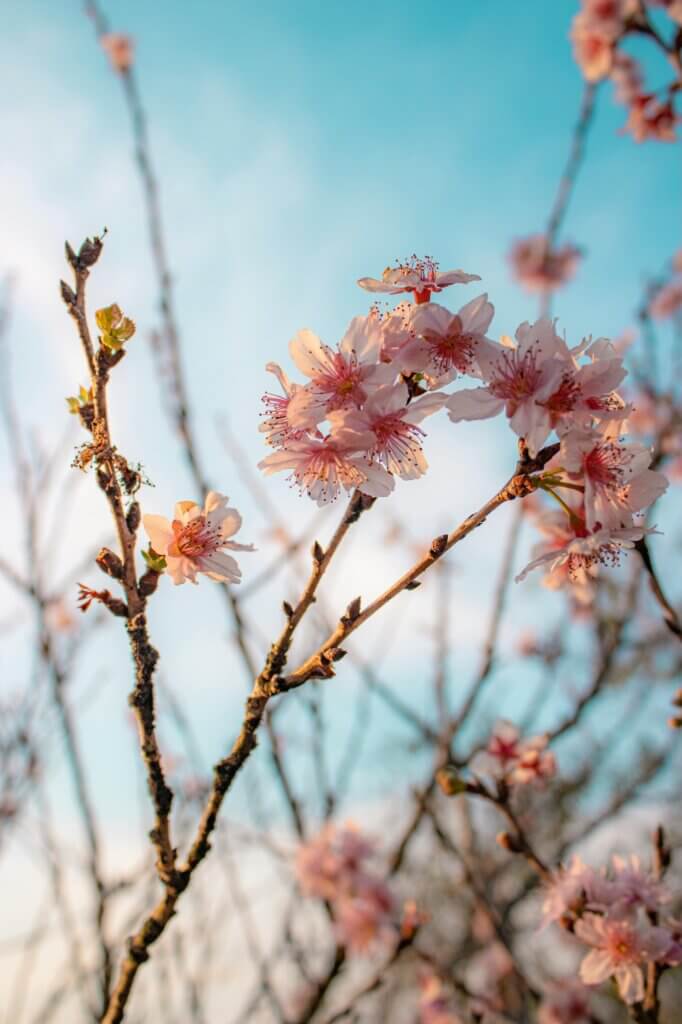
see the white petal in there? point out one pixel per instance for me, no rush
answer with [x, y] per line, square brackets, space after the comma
[473, 404]
[159, 531]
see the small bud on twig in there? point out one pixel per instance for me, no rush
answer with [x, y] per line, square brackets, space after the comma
[438, 546]
[352, 611]
[317, 552]
[288, 610]
[68, 294]
[508, 842]
[450, 781]
[413, 584]
[90, 251]
[133, 517]
[70, 255]
[110, 563]
[148, 582]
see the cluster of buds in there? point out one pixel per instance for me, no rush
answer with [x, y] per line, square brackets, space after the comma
[335, 867]
[619, 913]
[598, 31]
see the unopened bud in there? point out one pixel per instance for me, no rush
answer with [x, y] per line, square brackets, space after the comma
[508, 842]
[148, 583]
[450, 781]
[438, 546]
[110, 563]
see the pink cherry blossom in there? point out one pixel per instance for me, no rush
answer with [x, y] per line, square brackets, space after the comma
[338, 380]
[616, 477]
[573, 888]
[196, 540]
[275, 424]
[634, 886]
[535, 764]
[558, 532]
[322, 466]
[539, 268]
[651, 118]
[445, 343]
[418, 276]
[566, 1002]
[667, 300]
[582, 555]
[365, 918]
[393, 421]
[626, 75]
[519, 762]
[328, 865]
[119, 49]
[593, 45]
[520, 378]
[621, 949]
[501, 750]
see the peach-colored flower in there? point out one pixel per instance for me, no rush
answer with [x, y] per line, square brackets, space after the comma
[420, 277]
[540, 268]
[196, 540]
[275, 424]
[621, 949]
[593, 45]
[119, 49]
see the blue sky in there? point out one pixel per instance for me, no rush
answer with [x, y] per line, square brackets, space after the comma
[299, 146]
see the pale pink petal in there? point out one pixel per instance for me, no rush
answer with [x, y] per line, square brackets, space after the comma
[473, 404]
[159, 531]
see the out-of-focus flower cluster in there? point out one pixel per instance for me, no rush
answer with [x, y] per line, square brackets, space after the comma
[597, 33]
[541, 267]
[516, 761]
[620, 914]
[335, 866]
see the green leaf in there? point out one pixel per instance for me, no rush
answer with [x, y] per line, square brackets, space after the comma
[74, 405]
[154, 560]
[108, 317]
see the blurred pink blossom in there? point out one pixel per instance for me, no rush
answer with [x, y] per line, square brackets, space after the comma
[539, 268]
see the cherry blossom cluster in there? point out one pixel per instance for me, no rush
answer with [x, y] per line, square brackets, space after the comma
[356, 422]
[515, 761]
[597, 32]
[335, 866]
[619, 914]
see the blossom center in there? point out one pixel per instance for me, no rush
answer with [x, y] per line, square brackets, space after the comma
[196, 538]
